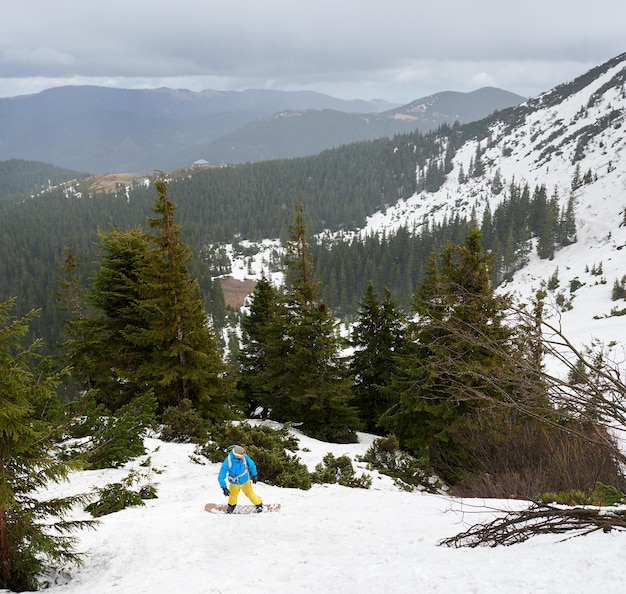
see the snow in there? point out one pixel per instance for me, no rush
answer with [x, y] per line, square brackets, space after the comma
[327, 539]
[599, 206]
[601, 239]
[337, 539]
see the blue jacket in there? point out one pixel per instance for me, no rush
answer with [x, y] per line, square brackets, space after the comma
[238, 470]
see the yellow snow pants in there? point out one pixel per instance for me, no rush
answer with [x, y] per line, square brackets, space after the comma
[248, 491]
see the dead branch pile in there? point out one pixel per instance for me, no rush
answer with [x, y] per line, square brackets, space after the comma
[519, 526]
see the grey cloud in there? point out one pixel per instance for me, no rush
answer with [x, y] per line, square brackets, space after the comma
[395, 48]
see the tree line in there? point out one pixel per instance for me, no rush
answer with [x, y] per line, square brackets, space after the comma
[217, 206]
[397, 260]
[459, 383]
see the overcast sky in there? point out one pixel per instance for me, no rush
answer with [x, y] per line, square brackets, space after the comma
[398, 50]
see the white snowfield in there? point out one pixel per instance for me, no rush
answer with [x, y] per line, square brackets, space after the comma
[327, 539]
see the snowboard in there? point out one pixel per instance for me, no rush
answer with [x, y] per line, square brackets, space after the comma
[220, 508]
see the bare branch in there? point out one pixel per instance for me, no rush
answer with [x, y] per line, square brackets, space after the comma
[518, 526]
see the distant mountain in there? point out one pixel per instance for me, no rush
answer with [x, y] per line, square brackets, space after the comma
[303, 133]
[294, 134]
[446, 107]
[100, 129]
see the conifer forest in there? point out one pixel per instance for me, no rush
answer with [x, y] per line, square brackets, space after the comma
[112, 323]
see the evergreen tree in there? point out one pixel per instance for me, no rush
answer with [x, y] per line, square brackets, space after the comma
[448, 162]
[72, 295]
[576, 180]
[299, 276]
[260, 329]
[147, 329]
[477, 168]
[497, 185]
[28, 464]
[183, 361]
[435, 176]
[440, 383]
[462, 177]
[306, 376]
[102, 358]
[567, 223]
[487, 228]
[377, 337]
[547, 228]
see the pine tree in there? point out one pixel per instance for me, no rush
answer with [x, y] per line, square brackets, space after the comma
[183, 361]
[497, 185]
[28, 465]
[544, 221]
[567, 223]
[448, 354]
[299, 275]
[147, 329]
[98, 350]
[377, 338]
[260, 329]
[477, 169]
[306, 376]
[448, 162]
[576, 180]
[72, 295]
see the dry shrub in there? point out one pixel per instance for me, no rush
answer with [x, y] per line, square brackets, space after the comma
[523, 457]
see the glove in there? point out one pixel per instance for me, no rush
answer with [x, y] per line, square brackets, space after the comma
[226, 492]
[254, 479]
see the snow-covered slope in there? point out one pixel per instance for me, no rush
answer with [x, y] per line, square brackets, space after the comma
[327, 539]
[537, 143]
[579, 125]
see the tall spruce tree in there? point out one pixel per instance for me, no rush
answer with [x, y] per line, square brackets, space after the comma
[377, 337]
[260, 329]
[28, 544]
[102, 358]
[567, 223]
[307, 378]
[184, 362]
[441, 382]
[147, 329]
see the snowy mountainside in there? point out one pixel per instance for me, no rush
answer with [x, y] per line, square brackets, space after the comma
[521, 153]
[552, 137]
[575, 129]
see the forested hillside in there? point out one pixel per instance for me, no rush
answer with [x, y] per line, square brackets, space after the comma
[339, 188]
[400, 259]
[20, 178]
[520, 172]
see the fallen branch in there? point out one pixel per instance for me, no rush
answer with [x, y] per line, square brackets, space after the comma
[519, 526]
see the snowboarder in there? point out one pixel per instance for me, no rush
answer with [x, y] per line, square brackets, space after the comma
[241, 472]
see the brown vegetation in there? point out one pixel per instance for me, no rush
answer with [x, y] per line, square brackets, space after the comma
[518, 526]
[235, 291]
[105, 183]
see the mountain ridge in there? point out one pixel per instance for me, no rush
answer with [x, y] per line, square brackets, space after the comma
[105, 130]
[572, 147]
[555, 143]
[303, 133]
